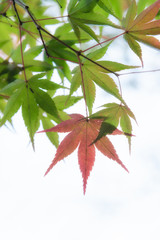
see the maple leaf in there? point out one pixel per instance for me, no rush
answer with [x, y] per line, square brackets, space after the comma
[83, 132]
[113, 115]
[137, 28]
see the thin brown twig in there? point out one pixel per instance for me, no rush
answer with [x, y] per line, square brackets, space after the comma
[6, 8]
[89, 59]
[38, 28]
[45, 19]
[58, 40]
[15, 9]
[147, 71]
[98, 44]
[32, 35]
[79, 53]
[4, 96]
[15, 25]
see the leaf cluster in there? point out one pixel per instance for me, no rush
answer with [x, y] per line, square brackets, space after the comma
[37, 45]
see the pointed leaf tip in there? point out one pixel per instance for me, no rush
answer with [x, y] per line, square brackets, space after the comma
[86, 155]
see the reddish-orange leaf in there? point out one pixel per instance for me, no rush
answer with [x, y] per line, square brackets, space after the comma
[141, 26]
[151, 28]
[65, 126]
[146, 16]
[105, 146]
[86, 155]
[83, 132]
[67, 146]
[149, 40]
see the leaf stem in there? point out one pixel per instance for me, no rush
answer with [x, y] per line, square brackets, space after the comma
[147, 71]
[110, 39]
[3, 13]
[45, 19]
[89, 59]
[21, 46]
[39, 28]
[83, 87]
[60, 41]
[4, 96]
[78, 53]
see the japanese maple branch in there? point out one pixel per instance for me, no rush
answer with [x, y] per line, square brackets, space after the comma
[89, 59]
[39, 28]
[15, 9]
[15, 25]
[78, 52]
[40, 34]
[32, 35]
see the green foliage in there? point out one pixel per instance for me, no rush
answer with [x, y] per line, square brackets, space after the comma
[30, 113]
[32, 56]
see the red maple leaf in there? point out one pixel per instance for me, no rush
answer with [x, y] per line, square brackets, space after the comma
[83, 132]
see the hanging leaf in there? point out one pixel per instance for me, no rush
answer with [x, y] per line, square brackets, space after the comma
[82, 133]
[13, 104]
[45, 101]
[104, 81]
[30, 113]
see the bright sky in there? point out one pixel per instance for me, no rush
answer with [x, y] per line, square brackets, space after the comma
[117, 205]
